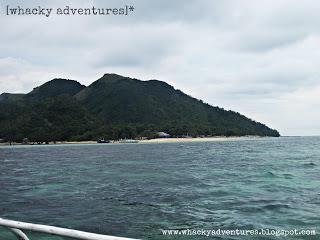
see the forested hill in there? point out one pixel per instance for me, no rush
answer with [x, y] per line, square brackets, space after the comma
[115, 107]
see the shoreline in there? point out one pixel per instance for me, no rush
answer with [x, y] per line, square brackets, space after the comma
[145, 141]
[198, 139]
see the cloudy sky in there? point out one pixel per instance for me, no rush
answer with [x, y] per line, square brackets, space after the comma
[259, 58]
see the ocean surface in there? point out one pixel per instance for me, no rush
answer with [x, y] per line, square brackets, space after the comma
[135, 190]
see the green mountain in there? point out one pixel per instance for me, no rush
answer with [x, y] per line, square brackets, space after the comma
[115, 107]
[54, 88]
[11, 97]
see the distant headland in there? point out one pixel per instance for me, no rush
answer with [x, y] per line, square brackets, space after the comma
[115, 107]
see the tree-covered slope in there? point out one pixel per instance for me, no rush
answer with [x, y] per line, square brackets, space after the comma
[54, 88]
[120, 100]
[115, 107]
[5, 97]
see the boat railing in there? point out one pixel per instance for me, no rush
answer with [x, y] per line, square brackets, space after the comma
[17, 228]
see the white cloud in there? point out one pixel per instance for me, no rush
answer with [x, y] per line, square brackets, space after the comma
[258, 58]
[20, 76]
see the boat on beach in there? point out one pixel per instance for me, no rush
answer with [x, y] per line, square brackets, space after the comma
[102, 140]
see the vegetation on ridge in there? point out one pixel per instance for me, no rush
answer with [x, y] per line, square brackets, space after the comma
[115, 107]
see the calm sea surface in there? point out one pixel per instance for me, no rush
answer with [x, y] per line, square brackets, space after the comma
[134, 190]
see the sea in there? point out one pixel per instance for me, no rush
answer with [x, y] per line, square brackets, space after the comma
[167, 190]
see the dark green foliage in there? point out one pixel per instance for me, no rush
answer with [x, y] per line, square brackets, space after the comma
[4, 97]
[53, 119]
[53, 88]
[115, 107]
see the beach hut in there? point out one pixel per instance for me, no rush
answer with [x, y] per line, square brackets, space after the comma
[163, 135]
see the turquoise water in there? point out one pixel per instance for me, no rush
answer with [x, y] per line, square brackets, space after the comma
[134, 190]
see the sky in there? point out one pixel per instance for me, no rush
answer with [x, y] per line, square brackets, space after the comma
[259, 58]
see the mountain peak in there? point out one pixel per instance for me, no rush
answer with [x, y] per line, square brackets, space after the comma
[112, 76]
[10, 96]
[56, 87]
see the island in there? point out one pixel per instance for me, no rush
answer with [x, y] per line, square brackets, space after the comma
[116, 107]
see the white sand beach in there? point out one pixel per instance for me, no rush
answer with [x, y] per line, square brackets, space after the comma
[205, 139]
[157, 140]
